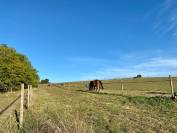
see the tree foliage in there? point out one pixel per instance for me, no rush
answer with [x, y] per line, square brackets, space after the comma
[45, 81]
[138, 76]
[15, 68]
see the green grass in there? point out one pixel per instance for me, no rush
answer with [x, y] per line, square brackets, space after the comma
[143, 107]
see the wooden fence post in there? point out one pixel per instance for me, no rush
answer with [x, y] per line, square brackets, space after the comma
[31, 93]
[122, 87]
[21, 106]
[28, 103]
[171, 85]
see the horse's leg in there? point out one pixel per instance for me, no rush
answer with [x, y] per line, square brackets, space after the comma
[98, 89]
[90, 87]
[98, 85]
[101, 85]
[95, 87]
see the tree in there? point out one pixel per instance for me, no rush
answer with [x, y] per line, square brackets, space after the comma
[45, 81]
[15, 68]
[138, 76]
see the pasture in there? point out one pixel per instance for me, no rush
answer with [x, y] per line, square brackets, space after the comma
[7, 99]
[143, 106]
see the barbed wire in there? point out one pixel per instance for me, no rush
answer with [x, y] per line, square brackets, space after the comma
[10, 120]
[8, 106]
[124, 81]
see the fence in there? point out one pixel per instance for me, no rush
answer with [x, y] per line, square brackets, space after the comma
[131, 86]
[24, 100]
[162, 85]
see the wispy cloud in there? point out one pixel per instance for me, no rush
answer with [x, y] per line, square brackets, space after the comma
[152, 67]
[166, 18]
[147, 63]
[156, 63]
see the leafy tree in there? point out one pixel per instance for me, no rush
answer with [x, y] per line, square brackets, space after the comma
[15, 68]
[138, 76]
[45, 81]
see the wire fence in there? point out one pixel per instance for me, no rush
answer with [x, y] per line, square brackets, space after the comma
[131, 86]
[11, 117]
[8, 106]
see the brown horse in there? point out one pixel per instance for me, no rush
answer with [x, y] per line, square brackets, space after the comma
[95, 85]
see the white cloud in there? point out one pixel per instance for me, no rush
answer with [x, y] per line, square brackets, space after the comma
[159, 63]
[166, 22]
[153, 67]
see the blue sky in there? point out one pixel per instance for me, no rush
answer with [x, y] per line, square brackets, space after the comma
[69, 40]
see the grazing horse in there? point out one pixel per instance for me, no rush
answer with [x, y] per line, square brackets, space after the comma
[95, 85]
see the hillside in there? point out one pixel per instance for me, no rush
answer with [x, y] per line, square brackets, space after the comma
[144, 106]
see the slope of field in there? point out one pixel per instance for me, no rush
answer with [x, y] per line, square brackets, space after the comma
[143, 107]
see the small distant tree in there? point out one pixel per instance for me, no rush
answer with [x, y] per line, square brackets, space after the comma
[138, 76]
[45, 81]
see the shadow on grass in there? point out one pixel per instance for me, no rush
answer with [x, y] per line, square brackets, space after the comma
[127, 96]
[157, 93]
[100, 93]
[156, 101]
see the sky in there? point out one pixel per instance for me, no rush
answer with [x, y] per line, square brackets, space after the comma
[71, 40]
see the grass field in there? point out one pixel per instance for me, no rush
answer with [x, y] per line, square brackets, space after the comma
[6, 116]
[6, 99]
[144, 106]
